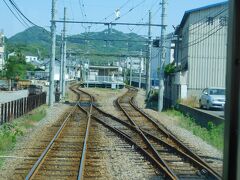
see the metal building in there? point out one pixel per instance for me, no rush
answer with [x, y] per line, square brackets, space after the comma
[201, 49]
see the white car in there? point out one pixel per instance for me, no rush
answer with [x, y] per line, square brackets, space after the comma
[212, 98]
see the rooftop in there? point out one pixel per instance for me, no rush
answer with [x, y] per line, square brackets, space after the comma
[187, 13]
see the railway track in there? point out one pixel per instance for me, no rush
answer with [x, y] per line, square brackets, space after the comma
[60, 160]
[91, 144]
[82, 145]
[181, 163]
[176, 157]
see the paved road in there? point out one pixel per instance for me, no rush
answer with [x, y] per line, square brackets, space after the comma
[6, 96]
[215, 112]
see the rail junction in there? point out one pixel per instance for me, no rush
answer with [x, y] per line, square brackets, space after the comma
[76, 149]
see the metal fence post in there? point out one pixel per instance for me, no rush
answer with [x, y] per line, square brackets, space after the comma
[1, 120]
[5, 112]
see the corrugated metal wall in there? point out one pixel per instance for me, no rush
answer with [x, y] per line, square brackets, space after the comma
[206, 48]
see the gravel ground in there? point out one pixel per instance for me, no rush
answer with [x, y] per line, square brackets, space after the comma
[27, 143]
[6, 96]
[105, 98]
[198, 145]
[117, 159]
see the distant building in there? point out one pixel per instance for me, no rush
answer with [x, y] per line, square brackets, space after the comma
[30, 59]
[11, 54]
[200, 50]
[102, 76]
[2, 49]
[137, 63]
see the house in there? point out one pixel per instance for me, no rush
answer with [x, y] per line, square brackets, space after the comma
[43, 71]
[200, 50]
[31, 58]
[2, 48]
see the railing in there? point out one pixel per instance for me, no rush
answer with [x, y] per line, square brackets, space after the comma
[105, 79]
[14, 109]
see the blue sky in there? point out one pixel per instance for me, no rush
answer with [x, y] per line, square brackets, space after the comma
[39, 11]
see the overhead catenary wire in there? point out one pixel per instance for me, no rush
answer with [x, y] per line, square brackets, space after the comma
[20, 13]
[22, 22]
[15, 6]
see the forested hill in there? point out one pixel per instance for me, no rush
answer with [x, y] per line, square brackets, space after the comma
[36, 41]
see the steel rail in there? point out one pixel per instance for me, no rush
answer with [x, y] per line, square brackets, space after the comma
[196, 162]
[84, 151]
[195, 159]
[136, 146]
[155, 152]
[180, 144]
[170, 175]
[40, 160]
[173, 138]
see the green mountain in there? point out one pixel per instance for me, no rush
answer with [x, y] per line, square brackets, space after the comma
[37, 41]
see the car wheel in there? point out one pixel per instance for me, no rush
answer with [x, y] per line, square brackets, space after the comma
[207, 106]
[200, 104]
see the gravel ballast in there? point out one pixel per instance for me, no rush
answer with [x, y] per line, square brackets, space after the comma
[196, 144]
[105, 100]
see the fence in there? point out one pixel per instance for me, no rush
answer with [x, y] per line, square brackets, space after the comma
[14, 109]
[100, 79]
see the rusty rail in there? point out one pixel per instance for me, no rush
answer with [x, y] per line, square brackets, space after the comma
[186, 152]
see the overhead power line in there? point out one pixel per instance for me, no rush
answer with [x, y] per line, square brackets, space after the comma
[124, 40]
[18, 18]
[21, 15]
[15, 6]
[108, 23]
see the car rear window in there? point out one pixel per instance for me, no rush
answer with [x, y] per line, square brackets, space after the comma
[217, 91]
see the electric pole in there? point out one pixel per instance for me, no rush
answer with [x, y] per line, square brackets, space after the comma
[130, 72]
[52, 61]
[140, 71]
[162, 57]
[61, 63]
[148, 64]
[64, 54]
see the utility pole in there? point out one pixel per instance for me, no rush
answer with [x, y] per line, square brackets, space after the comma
[52, 61]
[64, 54]
[148, 64]
[140, 71]
[162, 57]
[87, 72]
[130, 72]
[61, 63]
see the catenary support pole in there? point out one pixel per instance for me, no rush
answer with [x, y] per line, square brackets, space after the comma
[52, 61]
[140, 71]
[64, 55]
[148, 63]
[61, 63]
[130, 83]
[162, 57]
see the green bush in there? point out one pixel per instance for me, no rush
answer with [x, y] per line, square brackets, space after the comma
[213, 134]
[10, 132]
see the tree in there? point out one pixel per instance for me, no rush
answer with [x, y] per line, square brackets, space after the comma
[16, 67]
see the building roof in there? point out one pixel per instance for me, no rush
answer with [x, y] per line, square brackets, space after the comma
[187, 13]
